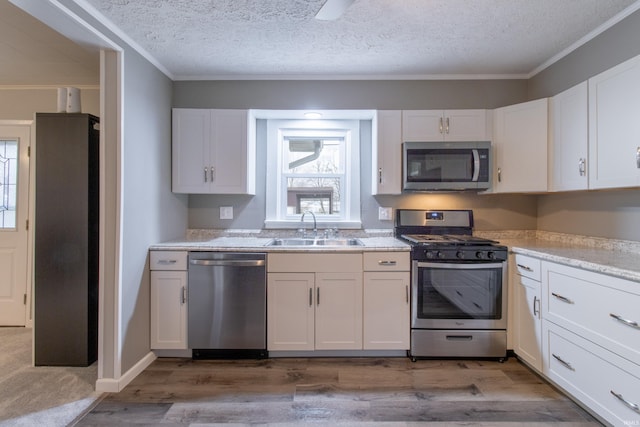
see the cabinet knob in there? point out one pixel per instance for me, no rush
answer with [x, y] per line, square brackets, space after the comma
[206, 170]
[582, 167]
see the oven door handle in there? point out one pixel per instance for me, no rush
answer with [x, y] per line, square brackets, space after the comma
[476, 165]
[459, 266]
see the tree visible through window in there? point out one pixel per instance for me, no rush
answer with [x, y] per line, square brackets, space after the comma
[314, 173]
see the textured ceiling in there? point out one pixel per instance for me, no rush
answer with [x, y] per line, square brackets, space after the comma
[202, 39]
[279, 38]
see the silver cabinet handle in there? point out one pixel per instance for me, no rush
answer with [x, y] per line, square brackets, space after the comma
[318, 296]
[206, 171]
[627, 322]
[536, 303]
[562, 362]
[638, 157]
[582, 167]
[447, 126]
[167, 261]
[380, 176]
[386, 262]
[499, 175]
[213, 171]
[441, 125]
[310, 297]
[183, 295]
[563, 299]
[524, 267]
[632, 406]
[406, 293]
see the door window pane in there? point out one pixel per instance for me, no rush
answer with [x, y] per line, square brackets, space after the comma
[8, 183]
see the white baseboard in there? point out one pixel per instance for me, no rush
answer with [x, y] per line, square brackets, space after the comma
[113, 385]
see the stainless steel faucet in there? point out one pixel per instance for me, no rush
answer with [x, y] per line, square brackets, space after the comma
[315, 225]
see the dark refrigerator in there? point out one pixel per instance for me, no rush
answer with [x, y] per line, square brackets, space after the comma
[66, 239]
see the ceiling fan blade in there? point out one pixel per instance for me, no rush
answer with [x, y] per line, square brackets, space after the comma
[333, 9]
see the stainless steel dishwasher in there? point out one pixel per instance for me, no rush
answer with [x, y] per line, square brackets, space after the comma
[227, 308]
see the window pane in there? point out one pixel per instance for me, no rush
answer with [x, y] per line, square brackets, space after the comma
[312, 156]
[318, 195]
[8, 183]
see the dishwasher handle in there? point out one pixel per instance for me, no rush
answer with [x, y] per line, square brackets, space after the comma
[229, 263]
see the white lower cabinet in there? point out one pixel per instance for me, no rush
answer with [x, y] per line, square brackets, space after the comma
[168, 300]
[326, 301]
[386, 301]
[591, 339]
[603, 381]
[314, 301]
[528, 319]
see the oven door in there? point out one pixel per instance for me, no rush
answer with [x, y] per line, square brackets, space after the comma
[458, 295]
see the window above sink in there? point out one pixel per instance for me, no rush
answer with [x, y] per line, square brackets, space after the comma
[313, 165]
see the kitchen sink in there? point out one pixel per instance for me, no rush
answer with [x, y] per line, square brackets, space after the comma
[315, 242]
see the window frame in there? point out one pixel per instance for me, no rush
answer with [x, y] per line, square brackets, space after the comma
[279, 131]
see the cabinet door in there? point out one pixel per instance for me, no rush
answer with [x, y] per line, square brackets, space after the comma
[465, 125]
[422, 125]
[338, 311]
[570, 139]
[228, 172]
[386, 312]
[520, 147]
[528, 336]
[168, 310]
[290, 311]
[614, 128]
[191, 135]
[387, 153]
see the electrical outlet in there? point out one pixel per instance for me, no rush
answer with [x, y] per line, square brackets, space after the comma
[385, 214]
[226, 212]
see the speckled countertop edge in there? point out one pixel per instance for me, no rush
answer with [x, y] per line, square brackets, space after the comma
[618, 258]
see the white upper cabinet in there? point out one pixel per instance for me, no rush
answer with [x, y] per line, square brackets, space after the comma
[520, 148]
[568, 156]
[445, 125]
[614, 126]
[387, 153]
[212, 153]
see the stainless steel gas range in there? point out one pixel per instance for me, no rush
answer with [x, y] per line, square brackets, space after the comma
[458, 286]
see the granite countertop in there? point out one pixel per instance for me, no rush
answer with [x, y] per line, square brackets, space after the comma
[258, 244]
[616, 260]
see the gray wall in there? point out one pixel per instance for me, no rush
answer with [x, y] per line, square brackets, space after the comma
[493, 212]
[610, 213]
[150, 212]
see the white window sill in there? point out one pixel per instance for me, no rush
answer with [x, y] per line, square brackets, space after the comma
[308, 223]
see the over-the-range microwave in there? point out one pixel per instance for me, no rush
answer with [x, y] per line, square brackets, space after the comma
[446, 166]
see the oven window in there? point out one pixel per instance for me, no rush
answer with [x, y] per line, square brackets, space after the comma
[450, 293]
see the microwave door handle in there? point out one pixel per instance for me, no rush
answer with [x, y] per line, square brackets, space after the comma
[476, 165]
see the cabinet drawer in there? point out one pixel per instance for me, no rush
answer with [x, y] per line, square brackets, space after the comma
[528, 267]
[296, 262]
[168, 260]
[386, 261]
[592, 375]
[603, 314]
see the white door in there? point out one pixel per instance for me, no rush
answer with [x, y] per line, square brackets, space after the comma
[14, 211]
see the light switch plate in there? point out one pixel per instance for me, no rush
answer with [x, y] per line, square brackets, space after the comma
[226, 212]
[385, 214]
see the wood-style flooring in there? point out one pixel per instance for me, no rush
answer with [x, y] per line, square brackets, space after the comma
[338, 392]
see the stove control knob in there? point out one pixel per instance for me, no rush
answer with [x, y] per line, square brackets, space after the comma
[479, 254]
[441, 255]
[430, 254]
[491, 255]
[460, 254]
